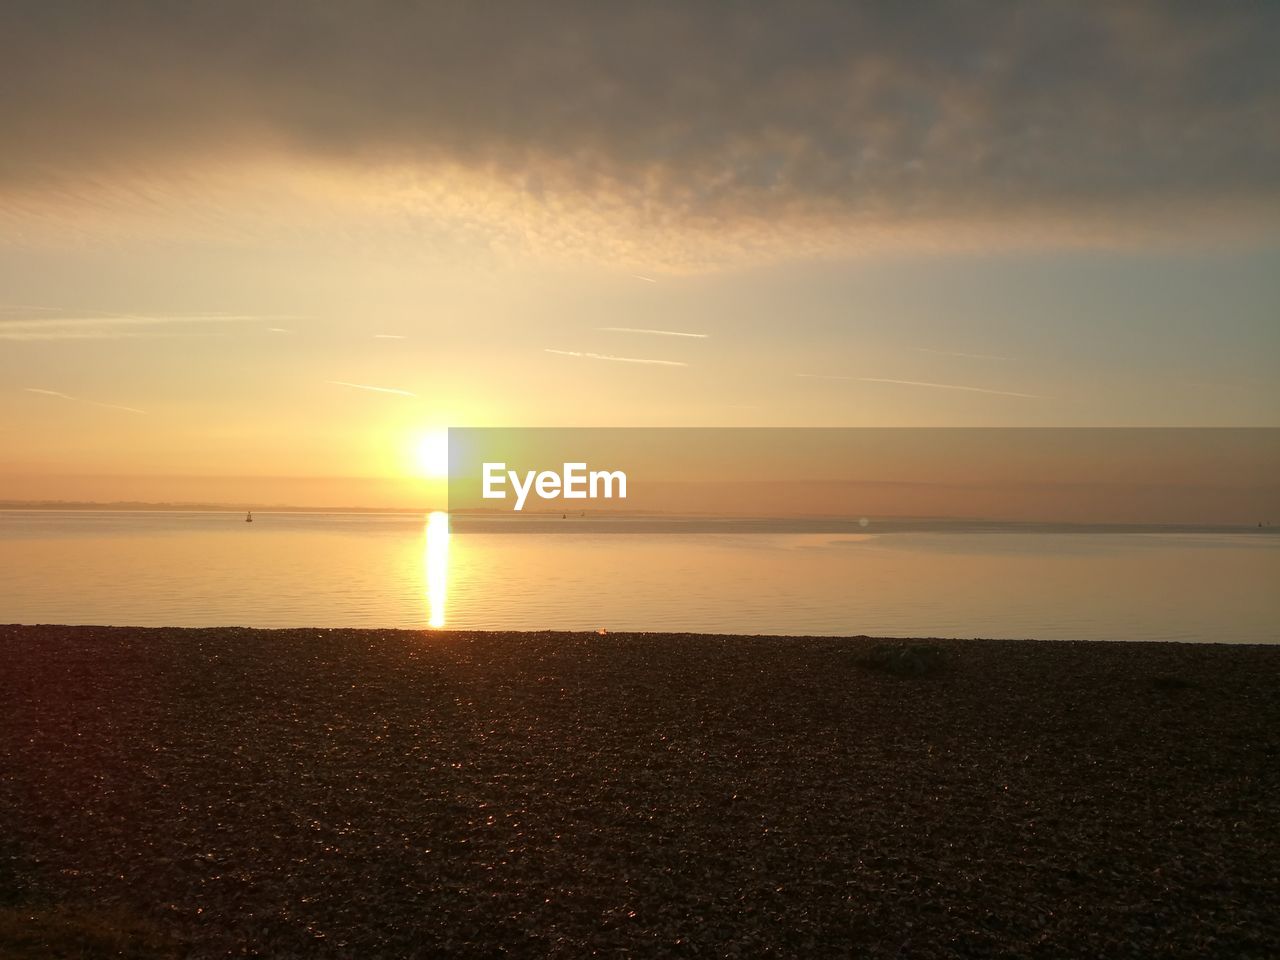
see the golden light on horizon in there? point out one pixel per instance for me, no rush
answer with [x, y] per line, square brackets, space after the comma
[435, 564]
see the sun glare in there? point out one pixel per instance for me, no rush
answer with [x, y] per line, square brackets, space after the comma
[433, 454]
[435, 563]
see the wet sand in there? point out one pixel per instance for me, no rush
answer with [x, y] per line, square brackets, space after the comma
[345, 793]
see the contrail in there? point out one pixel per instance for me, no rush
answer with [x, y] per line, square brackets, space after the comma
[638, 276]
[90, 334]
[660, 333]
[952, 386]
[365, 386]
[109, 326]
[969, 356]
[921, 383]
[128, 319]
[67, 396]
[603, 356]
[389, 336]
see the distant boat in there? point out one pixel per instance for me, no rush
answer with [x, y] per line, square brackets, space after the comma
[248, 517]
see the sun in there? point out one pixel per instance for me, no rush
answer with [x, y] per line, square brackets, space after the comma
[433, 453]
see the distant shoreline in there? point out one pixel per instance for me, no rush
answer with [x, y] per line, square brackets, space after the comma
[555, 521]
[138, 506]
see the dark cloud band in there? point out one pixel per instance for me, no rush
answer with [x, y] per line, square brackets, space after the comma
[699, 114]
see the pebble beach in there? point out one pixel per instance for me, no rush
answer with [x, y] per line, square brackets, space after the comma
[359, 793]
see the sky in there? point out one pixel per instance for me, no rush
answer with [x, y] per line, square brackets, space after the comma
[256, 252]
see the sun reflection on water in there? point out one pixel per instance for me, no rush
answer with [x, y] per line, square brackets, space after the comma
[435, 563]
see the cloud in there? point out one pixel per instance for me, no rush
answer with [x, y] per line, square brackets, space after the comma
[669, 132]
[365, 386]
[921, 383]
[605, 356]
[63, 396]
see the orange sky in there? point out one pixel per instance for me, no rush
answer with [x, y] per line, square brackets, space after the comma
[238, 268]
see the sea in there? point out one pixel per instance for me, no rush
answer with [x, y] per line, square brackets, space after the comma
[422, 571]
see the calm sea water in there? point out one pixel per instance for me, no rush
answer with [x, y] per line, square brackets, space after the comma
[361, 570]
